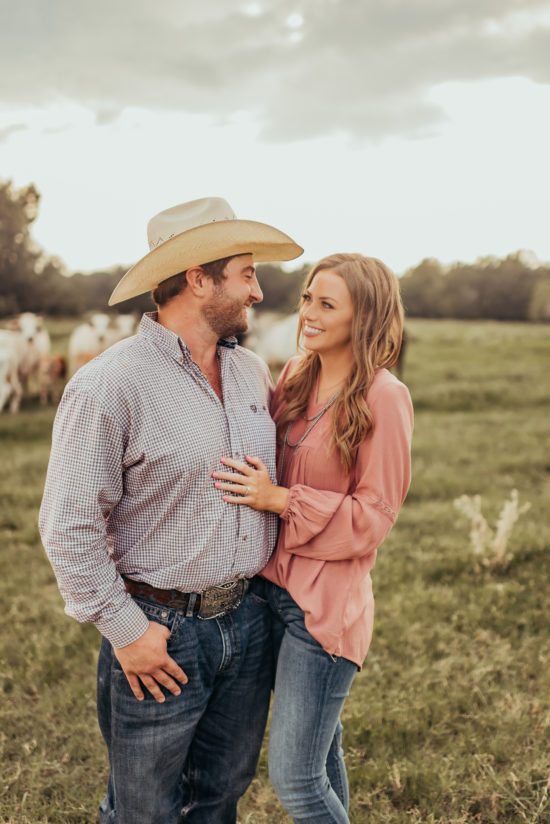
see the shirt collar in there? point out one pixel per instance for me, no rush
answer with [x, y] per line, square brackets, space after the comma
[150, 328]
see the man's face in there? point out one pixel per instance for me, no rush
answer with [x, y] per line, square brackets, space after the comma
[225, 312]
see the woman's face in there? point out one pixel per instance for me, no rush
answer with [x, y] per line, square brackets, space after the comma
[326, 314]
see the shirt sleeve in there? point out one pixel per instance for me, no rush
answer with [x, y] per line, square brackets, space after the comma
[83, 485]
[332, 526]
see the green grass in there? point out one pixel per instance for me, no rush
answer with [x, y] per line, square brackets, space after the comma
[449, 720]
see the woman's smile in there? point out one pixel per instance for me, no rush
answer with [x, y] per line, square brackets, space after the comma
[311, 330]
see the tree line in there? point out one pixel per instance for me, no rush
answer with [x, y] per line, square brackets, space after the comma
[513, 288]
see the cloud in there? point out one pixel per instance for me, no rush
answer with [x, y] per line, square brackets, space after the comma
[303, 68]
[7, 131]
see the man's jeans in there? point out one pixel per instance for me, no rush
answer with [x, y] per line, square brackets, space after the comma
[192, 757]
[306, 763]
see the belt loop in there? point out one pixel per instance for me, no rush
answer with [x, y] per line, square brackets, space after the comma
[191, 604]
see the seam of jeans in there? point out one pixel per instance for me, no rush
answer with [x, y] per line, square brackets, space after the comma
[191, 773]
[224, 645]
[233, 645]
[175, 628]
[338, 756]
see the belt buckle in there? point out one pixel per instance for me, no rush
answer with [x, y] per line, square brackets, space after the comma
[218, 601]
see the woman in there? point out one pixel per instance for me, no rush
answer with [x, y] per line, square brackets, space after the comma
[344, 427]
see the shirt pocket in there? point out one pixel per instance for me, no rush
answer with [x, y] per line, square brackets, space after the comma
[257, 429]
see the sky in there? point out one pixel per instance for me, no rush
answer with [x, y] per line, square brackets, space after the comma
[402, 129]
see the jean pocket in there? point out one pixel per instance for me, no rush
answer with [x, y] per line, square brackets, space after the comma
[258, 599]
[258, 590]
[161, 615]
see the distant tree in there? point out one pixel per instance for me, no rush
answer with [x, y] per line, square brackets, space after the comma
[18, 256]
[539, 307]
[281, 289]
[507, 287]
[488, 288]
[95, 289]
[29, 279]
[52, 293]
[422, 289]
[462, 288]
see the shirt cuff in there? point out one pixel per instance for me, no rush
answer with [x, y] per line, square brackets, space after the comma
[126, 626]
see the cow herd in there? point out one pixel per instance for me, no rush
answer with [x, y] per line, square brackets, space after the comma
[27, 362]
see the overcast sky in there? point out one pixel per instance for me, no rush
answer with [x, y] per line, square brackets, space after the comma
[398, 128]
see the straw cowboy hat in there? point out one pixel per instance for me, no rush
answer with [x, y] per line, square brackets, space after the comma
[195, 233]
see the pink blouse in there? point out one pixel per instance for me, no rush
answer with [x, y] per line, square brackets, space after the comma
[334, 522]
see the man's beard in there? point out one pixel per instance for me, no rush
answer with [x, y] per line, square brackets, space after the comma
[225, 315]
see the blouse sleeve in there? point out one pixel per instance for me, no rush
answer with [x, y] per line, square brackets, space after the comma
[332, 526]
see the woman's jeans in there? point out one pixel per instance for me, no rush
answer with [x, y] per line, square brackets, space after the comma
[192, 757]
[306, 763]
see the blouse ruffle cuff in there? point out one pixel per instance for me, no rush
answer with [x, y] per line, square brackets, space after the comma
[306, 514]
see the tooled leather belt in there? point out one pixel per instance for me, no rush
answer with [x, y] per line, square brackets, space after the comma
[213, 602]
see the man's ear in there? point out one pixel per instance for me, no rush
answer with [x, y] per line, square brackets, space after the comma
[198, 281]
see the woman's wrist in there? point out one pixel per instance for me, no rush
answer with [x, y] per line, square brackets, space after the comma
[278, 499]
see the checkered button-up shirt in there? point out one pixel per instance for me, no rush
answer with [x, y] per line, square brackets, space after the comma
[129, 489]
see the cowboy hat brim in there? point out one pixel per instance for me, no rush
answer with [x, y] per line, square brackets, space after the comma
[202, 244]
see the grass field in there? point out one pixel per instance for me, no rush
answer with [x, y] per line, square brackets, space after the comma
[449, 720]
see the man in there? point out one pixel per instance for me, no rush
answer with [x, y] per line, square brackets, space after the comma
[141, 542]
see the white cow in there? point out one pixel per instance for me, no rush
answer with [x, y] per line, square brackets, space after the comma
[88, 340]
[11, 355]
[95, 335]
[123, 326]
[272, 336]
[36, 344]
[22, 347]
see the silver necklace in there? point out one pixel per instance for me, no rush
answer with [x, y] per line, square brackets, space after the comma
[330, 387]
[314, 421]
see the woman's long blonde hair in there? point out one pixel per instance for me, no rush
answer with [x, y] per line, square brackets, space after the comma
[376, 335]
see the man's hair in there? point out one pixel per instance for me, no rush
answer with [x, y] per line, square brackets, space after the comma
[169, 288]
